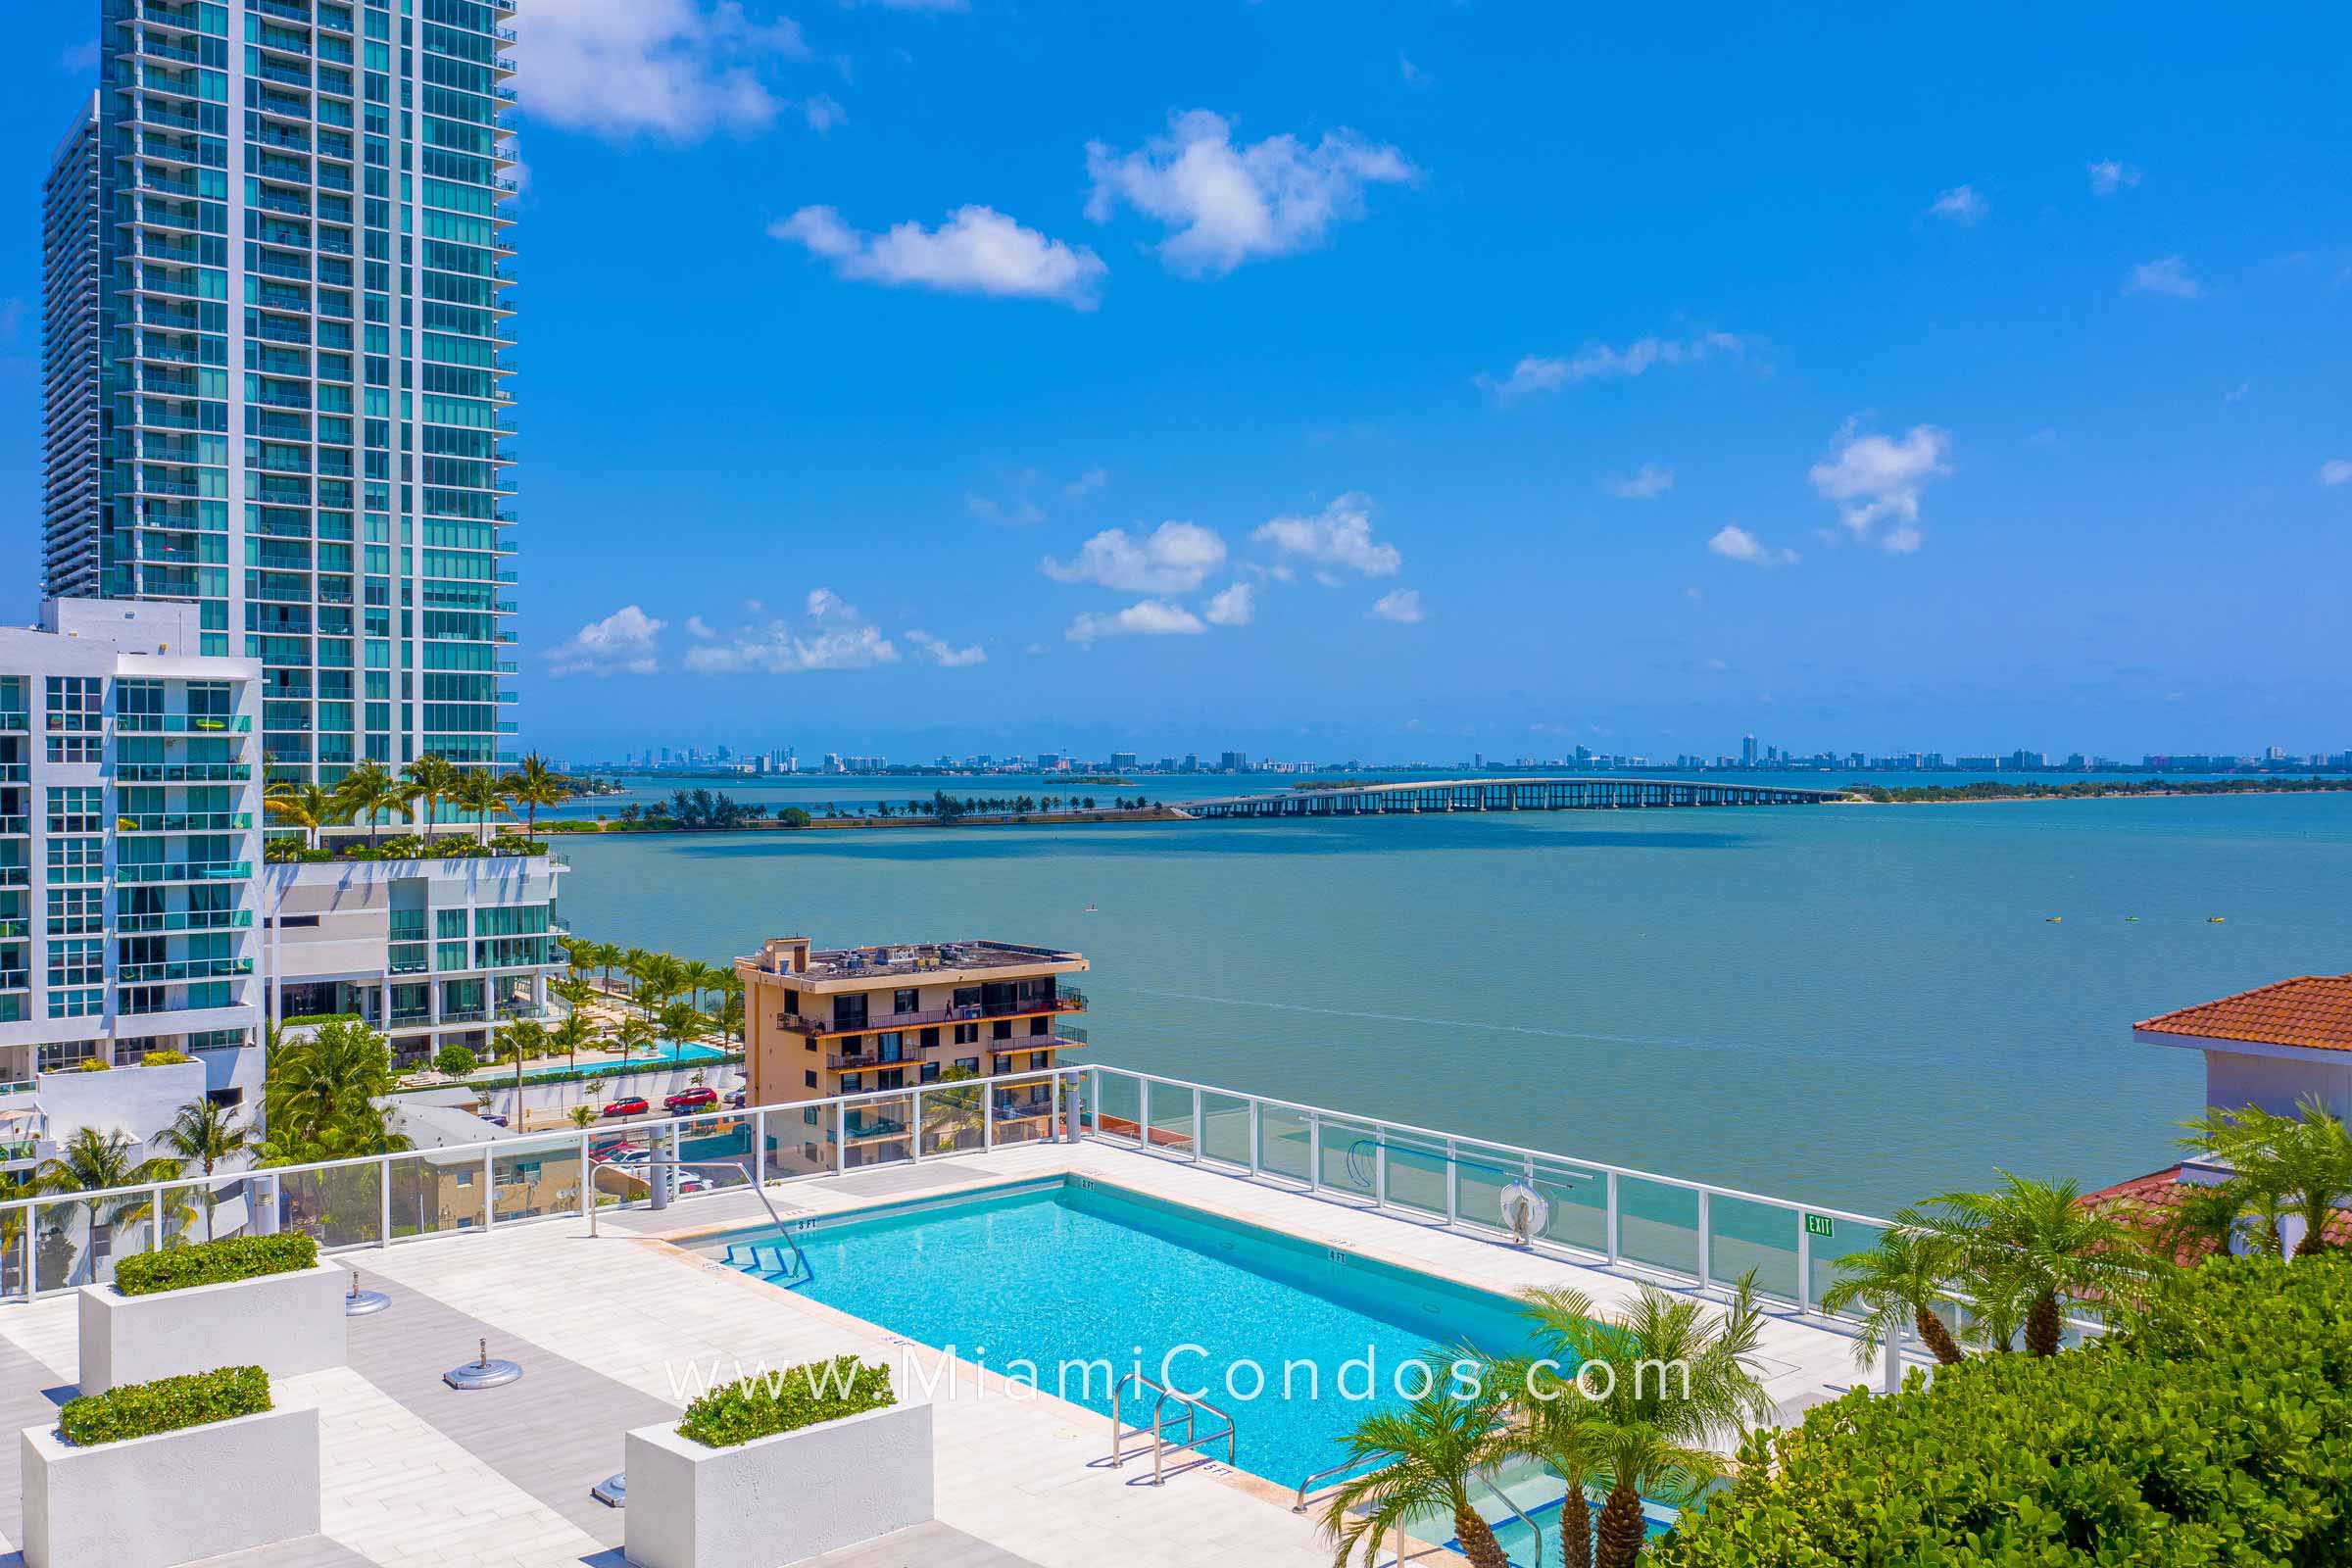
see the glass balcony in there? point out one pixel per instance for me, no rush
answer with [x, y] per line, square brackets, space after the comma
[187, 871]
[184, 723]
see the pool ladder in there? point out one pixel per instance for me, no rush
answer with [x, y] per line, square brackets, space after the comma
[780, 1261]
[1485, 1476]
[1164, 1432]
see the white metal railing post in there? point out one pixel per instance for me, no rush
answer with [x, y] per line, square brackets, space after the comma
[915, 1125]
[1610, 1236]
[1380, 1167]
[1200, 1124]
[490, 1182]
[988, 1113]
[760, 1148]
[1253, 1125]
[1143, 1113]
[1454, 1182]
[1804, 1265]
[383, 1195]
[1706, 1261]
[841, 1137]
[155, 1221]
[1314, 1152]
[24, 1247]
[587, 1180]
[1094, 1098]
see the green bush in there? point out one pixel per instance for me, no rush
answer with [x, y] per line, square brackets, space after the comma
[163, 1059]
[305, 1021]
[142, 1409]
[234, 1257]
[786, 1401]
[2217, 1432]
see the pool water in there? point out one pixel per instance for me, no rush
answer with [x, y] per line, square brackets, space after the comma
[1068, 1272]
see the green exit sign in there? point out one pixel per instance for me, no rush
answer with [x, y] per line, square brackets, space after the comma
[1818, 1225]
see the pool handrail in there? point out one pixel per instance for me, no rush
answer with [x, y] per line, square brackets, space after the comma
[588, 1187]
[1191, 1406]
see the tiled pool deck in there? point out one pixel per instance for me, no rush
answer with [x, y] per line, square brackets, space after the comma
[419, 1474]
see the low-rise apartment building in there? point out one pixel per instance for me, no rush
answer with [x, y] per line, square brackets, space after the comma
[862, 1019]
[129, 838]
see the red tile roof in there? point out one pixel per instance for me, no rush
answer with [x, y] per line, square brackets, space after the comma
[2312, 1010]
[2148, 1202]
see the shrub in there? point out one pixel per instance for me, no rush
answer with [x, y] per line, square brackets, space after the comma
[92, 1065]
[163, 1059]
[2218, 1431]
[455, 1061]
[233, 1257]
[142, 1409]
[307, 1019]
[786, 1401]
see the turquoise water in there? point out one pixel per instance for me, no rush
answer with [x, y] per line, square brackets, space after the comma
[1063, 1273]
[666, 1056]
[1854, 1005]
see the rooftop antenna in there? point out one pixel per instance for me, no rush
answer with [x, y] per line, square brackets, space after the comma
[481, 1372]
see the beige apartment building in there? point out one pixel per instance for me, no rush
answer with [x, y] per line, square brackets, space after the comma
[858, 1020]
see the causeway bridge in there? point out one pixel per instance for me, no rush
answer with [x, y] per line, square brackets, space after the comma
[1514, 794]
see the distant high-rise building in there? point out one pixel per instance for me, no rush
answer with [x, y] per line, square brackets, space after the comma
[1233, 762]
[1747, 750]
[71, 270]
[1120, 761]
[300, 266]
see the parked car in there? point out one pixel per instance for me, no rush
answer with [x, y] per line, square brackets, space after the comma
[633, 1106]
[694, 1099]
[735, 1098]
[689, 1182]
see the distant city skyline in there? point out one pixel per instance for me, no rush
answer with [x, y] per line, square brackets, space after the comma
[1518, 378]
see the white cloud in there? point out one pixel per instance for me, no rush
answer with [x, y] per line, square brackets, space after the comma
[1086, 483]
[1962, 204]
[1340, 535]
[1228, 204]
[1404, 606]
[1599, 361]
[2336, 472]
[1021, 512]
[2167, 275]
[945, 655]
[678, 68]
[1149, 617]
[1236, 606]
[1874, 479]
[824, 604]
[1734, 543]
[1173, 557]
[620, 644]
[2107, 177]
[1414, 76]
[978, 250]
[700, 629]
[823, 112]
[1645, 483]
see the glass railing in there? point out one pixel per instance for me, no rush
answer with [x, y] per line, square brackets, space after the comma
[184, 920]
[137, 974]
[185, 724]
[187, 871]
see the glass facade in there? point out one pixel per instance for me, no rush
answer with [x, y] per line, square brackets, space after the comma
[303, 262]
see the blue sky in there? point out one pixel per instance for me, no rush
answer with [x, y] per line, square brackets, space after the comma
[1455, 375]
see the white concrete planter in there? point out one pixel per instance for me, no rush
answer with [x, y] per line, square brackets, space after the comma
[778, 1499]
[176, 1498]
[285, 1324]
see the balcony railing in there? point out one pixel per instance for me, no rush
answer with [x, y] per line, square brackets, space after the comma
[184, 920]
[138, 974]
[1067, 1000]
[185, 724]
[182, 822]
[187, 871]
[920, 1055]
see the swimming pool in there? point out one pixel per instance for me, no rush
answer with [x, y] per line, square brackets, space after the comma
[1068, 1273]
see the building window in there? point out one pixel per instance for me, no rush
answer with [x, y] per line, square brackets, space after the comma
[928, 1039]
[930, 1072]
[792, 1008]
[79, 961]
[910, 1000]
[78, 808]
[1002, 1029]
[74, 704]
[75, 911]
[852, 1082]
[58, 1054]
[967, 1034]
[74, 748]
[78, 1003]
[74, 861]
[1038, 1026]
[808, 1079]
[999, 1064]
[449, 924]
[971, 1065]
[1039, 1061]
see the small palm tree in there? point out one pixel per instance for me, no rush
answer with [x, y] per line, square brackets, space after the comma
[2037, 1241]
[682, 1021]
[92, 1161]
[1898, 1282]
[582, 1115]
[478, 792]
[2298, 1166]
[1556, 1425]
[367, 793]
[534, 784]
[570, 1035]
[1436, 1447]
[206, 1134]
[633, 1033]
[427, 782]
[304, 804]
[702, 977]
[525, 1038]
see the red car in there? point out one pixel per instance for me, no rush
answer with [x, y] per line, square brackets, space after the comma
[686, 1100]
[634, 1105]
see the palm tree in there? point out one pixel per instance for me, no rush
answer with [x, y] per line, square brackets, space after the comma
[305, 805]
[366, 792]
[701, 977]
[1436, 1445]
[604, 956]
[635, 962]
[206, 1134]
[952, 1115]
[681, 1021]
[570, 1035]
[2298, 1166]
[427, 782]
[1900, 1280]
[534, 784]
[2035, 1241]
[731, 1007]
[478, 792]
[661, 978]
[582, 1115]
[93, 1161]
[633, 1032]
[1561, 1432]
[320, 1099]
[524, 1038]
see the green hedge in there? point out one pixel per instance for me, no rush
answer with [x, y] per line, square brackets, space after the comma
[237, 1257]
[786, 1401]
[2220, 1432]
[142, 1409]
